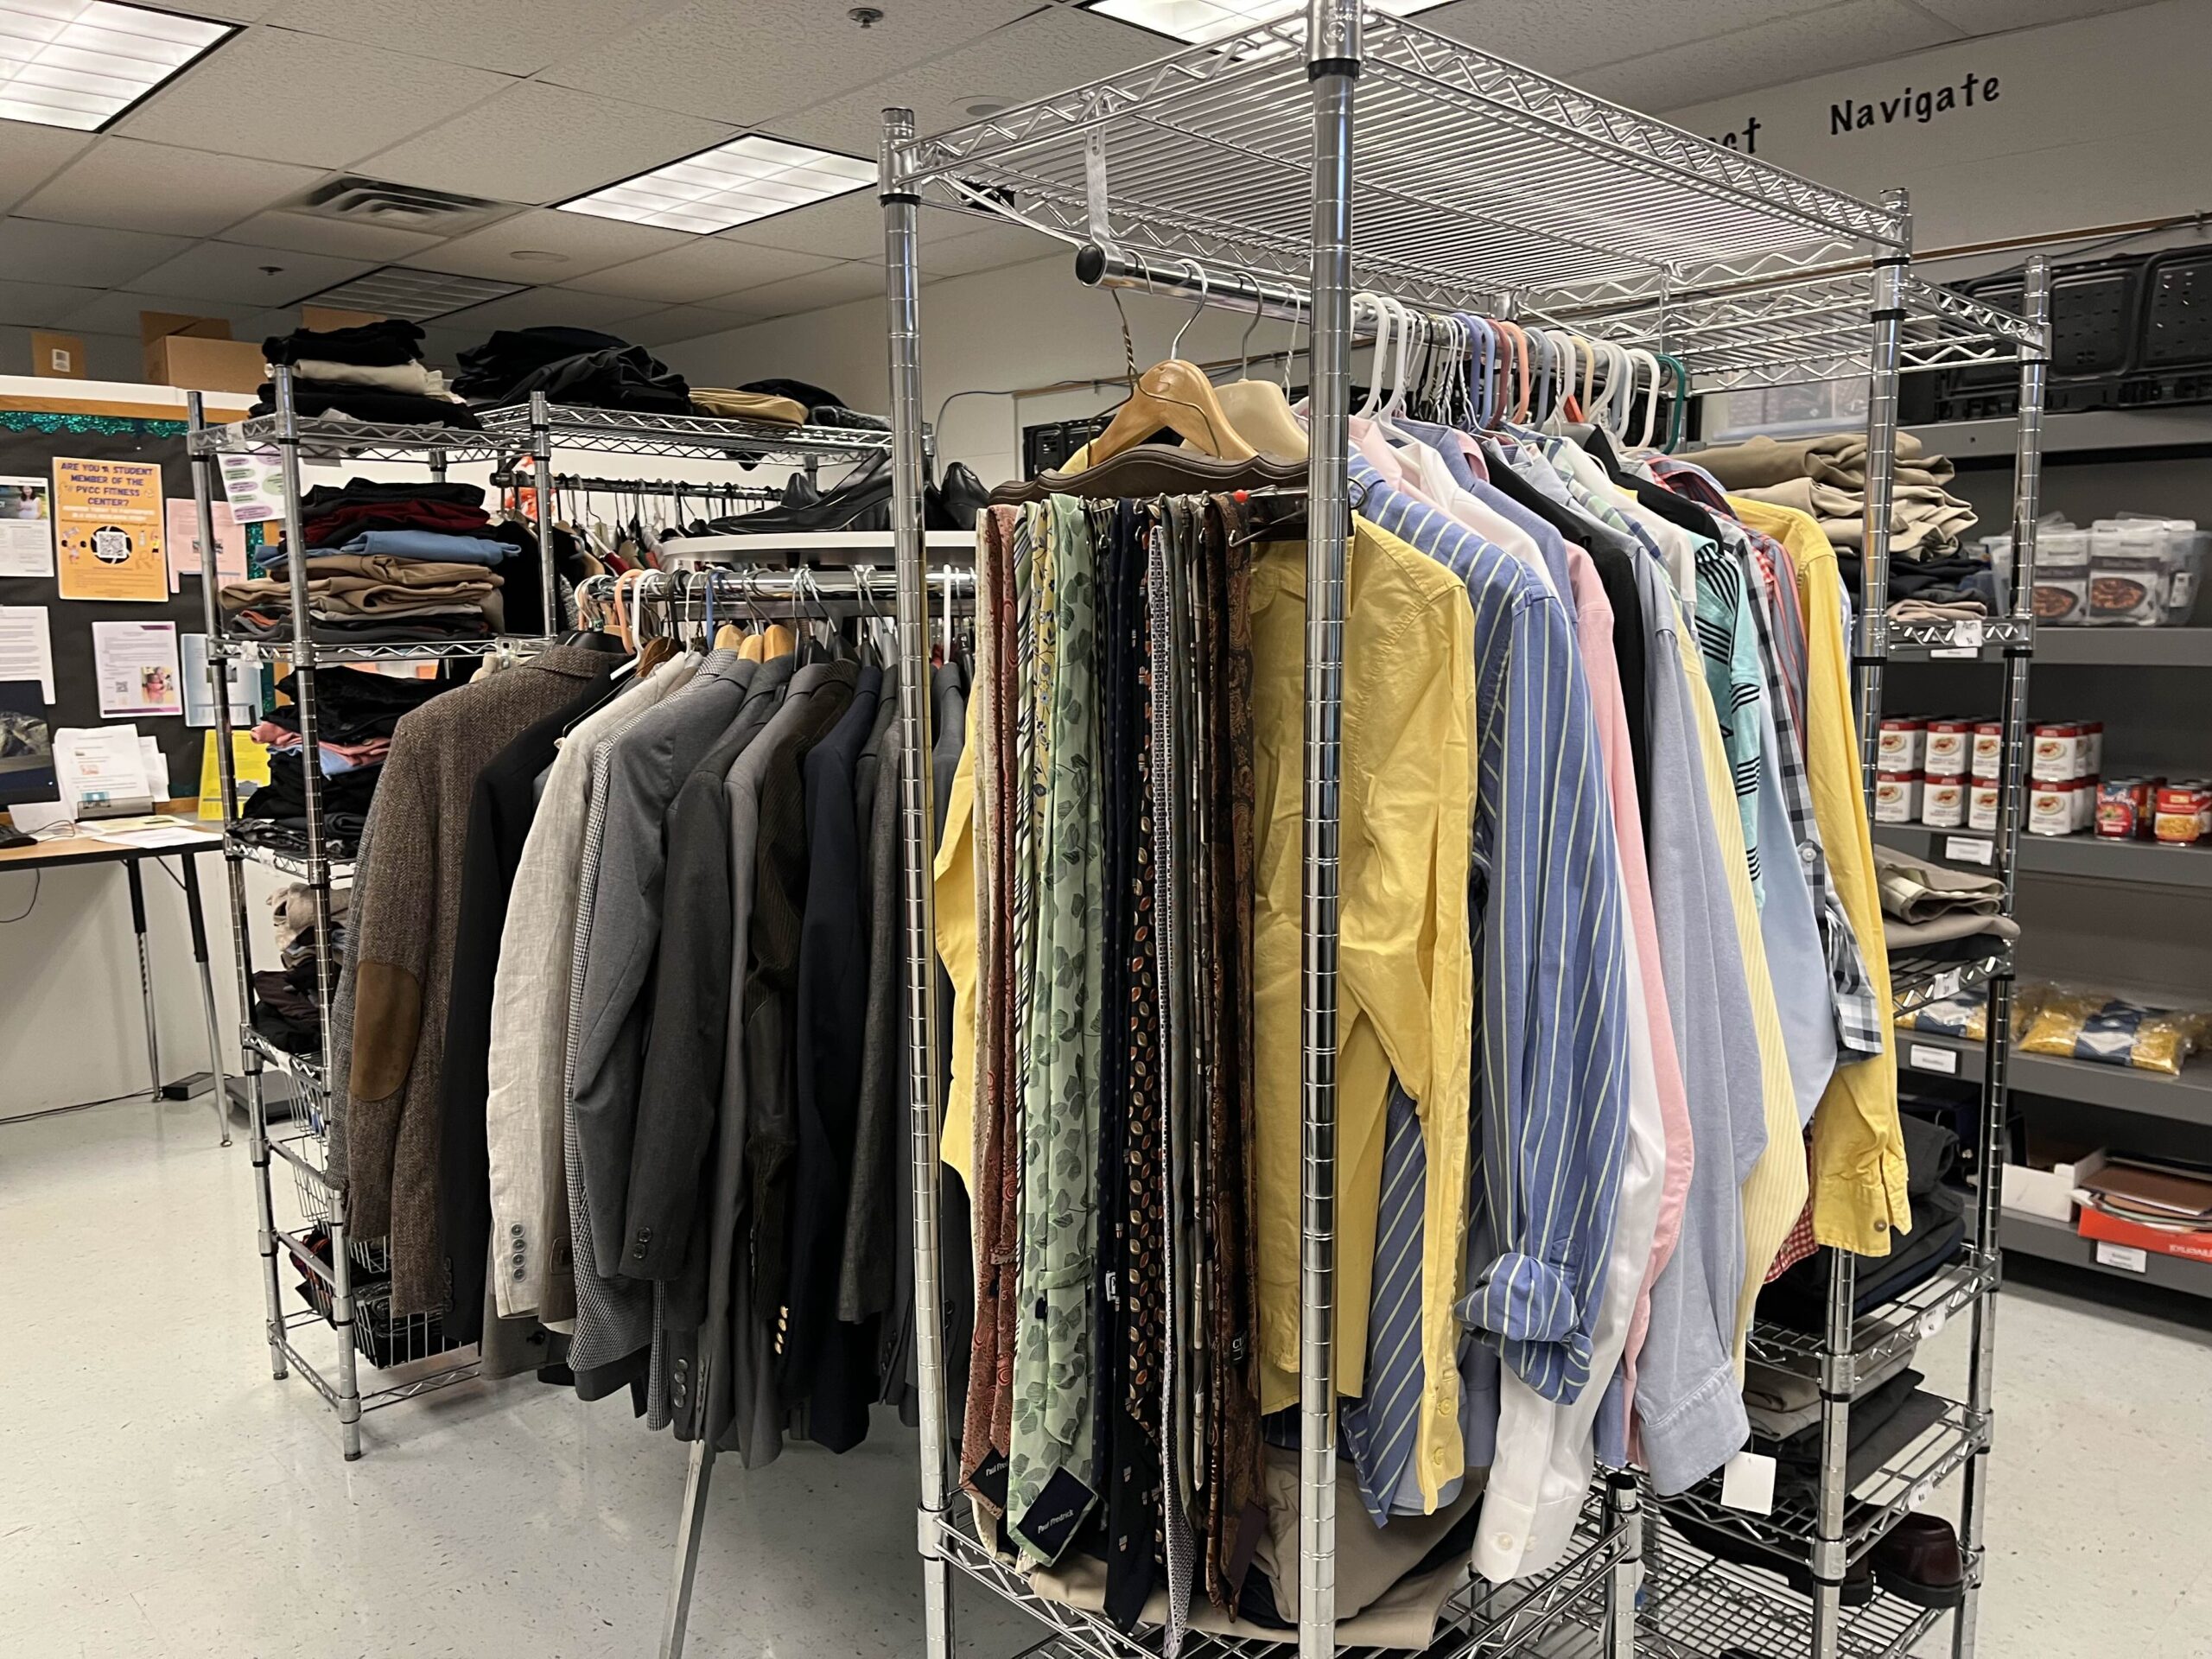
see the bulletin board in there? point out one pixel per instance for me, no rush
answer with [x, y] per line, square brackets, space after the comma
[30, 441]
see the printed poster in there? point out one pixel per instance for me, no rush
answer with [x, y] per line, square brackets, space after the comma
[108, 537]
[183, 539]
[26, 527]
[136, 664]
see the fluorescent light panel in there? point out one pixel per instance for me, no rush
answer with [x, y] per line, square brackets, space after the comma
[80, 63]
[1200, 21]
[736, 183]
[418, 296]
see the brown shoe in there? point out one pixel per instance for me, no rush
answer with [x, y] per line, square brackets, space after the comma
[1919, 1562]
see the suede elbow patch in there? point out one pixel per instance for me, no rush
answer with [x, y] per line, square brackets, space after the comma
[387, 1017]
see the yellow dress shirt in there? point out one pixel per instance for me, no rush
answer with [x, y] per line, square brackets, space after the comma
[1773, 1193]
[954, 883]
[1406, 972]
[1858, 1166]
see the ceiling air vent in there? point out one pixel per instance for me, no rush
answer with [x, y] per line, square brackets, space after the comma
[399, 206]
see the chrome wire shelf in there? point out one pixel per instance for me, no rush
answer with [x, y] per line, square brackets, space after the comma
[1977, 639]
[699, 437]
[329, 438]
[1474, 178]
[295, 865]
[1914, 982]
[1696, 1606]
[413, 650]
[1480, 1620]
[1875, 1504]
[305, 1072]
[1884, 1332]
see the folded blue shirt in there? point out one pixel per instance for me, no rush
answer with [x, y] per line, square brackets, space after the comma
[427, 544]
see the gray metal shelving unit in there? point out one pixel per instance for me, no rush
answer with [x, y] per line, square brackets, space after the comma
[2184, 1099]
[2087, 856]
[2052, 1241]
[1228, 175]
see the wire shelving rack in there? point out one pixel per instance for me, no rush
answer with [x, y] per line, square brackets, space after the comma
[345, 1276]
[1228, 174]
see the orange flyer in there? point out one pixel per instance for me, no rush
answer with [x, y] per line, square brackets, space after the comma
[108, 530]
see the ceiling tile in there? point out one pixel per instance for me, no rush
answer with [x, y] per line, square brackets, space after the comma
[545, 308]
[850, 227]
[586, 243]
[1991, 16]
[46, 305]
[238, 274]
[115, 311]
[990, 247]
[749, 64]
[708, 267]
[313, 234]
[231, 11]
[816, 291]
[678, 322]
[301, 98]
[1036, 57]
[541, 143]
[1564, 37]
[31, 155]
[37, 251]
[135, 186]
[1770, 54]
[515, 36]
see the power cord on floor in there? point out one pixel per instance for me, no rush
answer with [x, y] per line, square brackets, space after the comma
[81, 1106]
[37, 878]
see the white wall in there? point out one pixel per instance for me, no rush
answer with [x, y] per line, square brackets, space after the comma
[2096, 122]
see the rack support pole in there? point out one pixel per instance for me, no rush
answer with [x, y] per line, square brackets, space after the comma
[326, 977]
[697, 1474]
[1996, 1036]
[541, 451]
[1624, 1514]
[219, 688]
[1839, 1370]
[1332, 51]
[902, 294]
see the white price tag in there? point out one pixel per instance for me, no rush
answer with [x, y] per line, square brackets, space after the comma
[1932, 1323]
[1969, 850]
[1747, 1483]
[1926, 1056]
[1967, 632]
[1947, 983]
[1920, 1495]
[2125, 1257]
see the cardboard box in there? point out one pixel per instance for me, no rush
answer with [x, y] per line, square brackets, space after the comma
[58, 357]
[2049, 1192]
[2095, 1224]
[200, 365]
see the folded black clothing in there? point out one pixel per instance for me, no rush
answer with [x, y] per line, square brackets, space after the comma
[373, 491]
[487, 373]
[523, 589]
[851, 419]
[422, 627]
[285, 1035]
[369, 345]
[283, 798]
[1869, 1413]
[371, 405]
[277, 992]
[1915, 1413]
[1968, 947]
[1798, 1299]
[352, 707]
[628, 377]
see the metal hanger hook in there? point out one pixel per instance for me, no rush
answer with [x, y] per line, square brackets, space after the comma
[1198, 275]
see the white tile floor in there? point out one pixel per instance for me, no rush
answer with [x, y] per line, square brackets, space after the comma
[160, 1496]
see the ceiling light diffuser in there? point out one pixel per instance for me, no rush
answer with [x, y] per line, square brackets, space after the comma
[81, 63]
[736, 183]
[1200, 21]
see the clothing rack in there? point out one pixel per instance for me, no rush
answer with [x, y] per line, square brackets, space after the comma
[506, 478]
[363, 1332]
[1480, 187]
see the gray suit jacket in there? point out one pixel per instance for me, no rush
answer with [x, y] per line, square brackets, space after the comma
[741, 1409]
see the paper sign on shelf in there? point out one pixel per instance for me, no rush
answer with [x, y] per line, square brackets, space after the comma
[1926, 1057]
[254, 481]
[108, 520]
[1747, 1483]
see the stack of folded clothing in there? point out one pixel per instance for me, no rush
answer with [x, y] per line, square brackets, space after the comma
[371, 372]
[571, 365]
[1799, 1298]
[356, 711]
[1933, 913]
[282, 804]
[1826, 476]
[730, 405]
[284, 1008]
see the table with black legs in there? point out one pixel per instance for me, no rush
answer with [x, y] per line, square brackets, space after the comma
[85, 850]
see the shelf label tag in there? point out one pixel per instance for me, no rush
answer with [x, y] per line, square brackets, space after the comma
[1947, 984]
[1747, 1483]
[1969, 850]
[1947, 652]
[2125, 1257]
[1926, 1056]
[1932, 1323]
[1920, 1496]
[1967, 632]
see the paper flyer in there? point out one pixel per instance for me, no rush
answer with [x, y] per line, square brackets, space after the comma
[26, 527]
[198, 694]
[183, 540]
[254, 481]
[27, 646]
[100, 765]
[108, 529]
[249, 761]
[136, 664]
